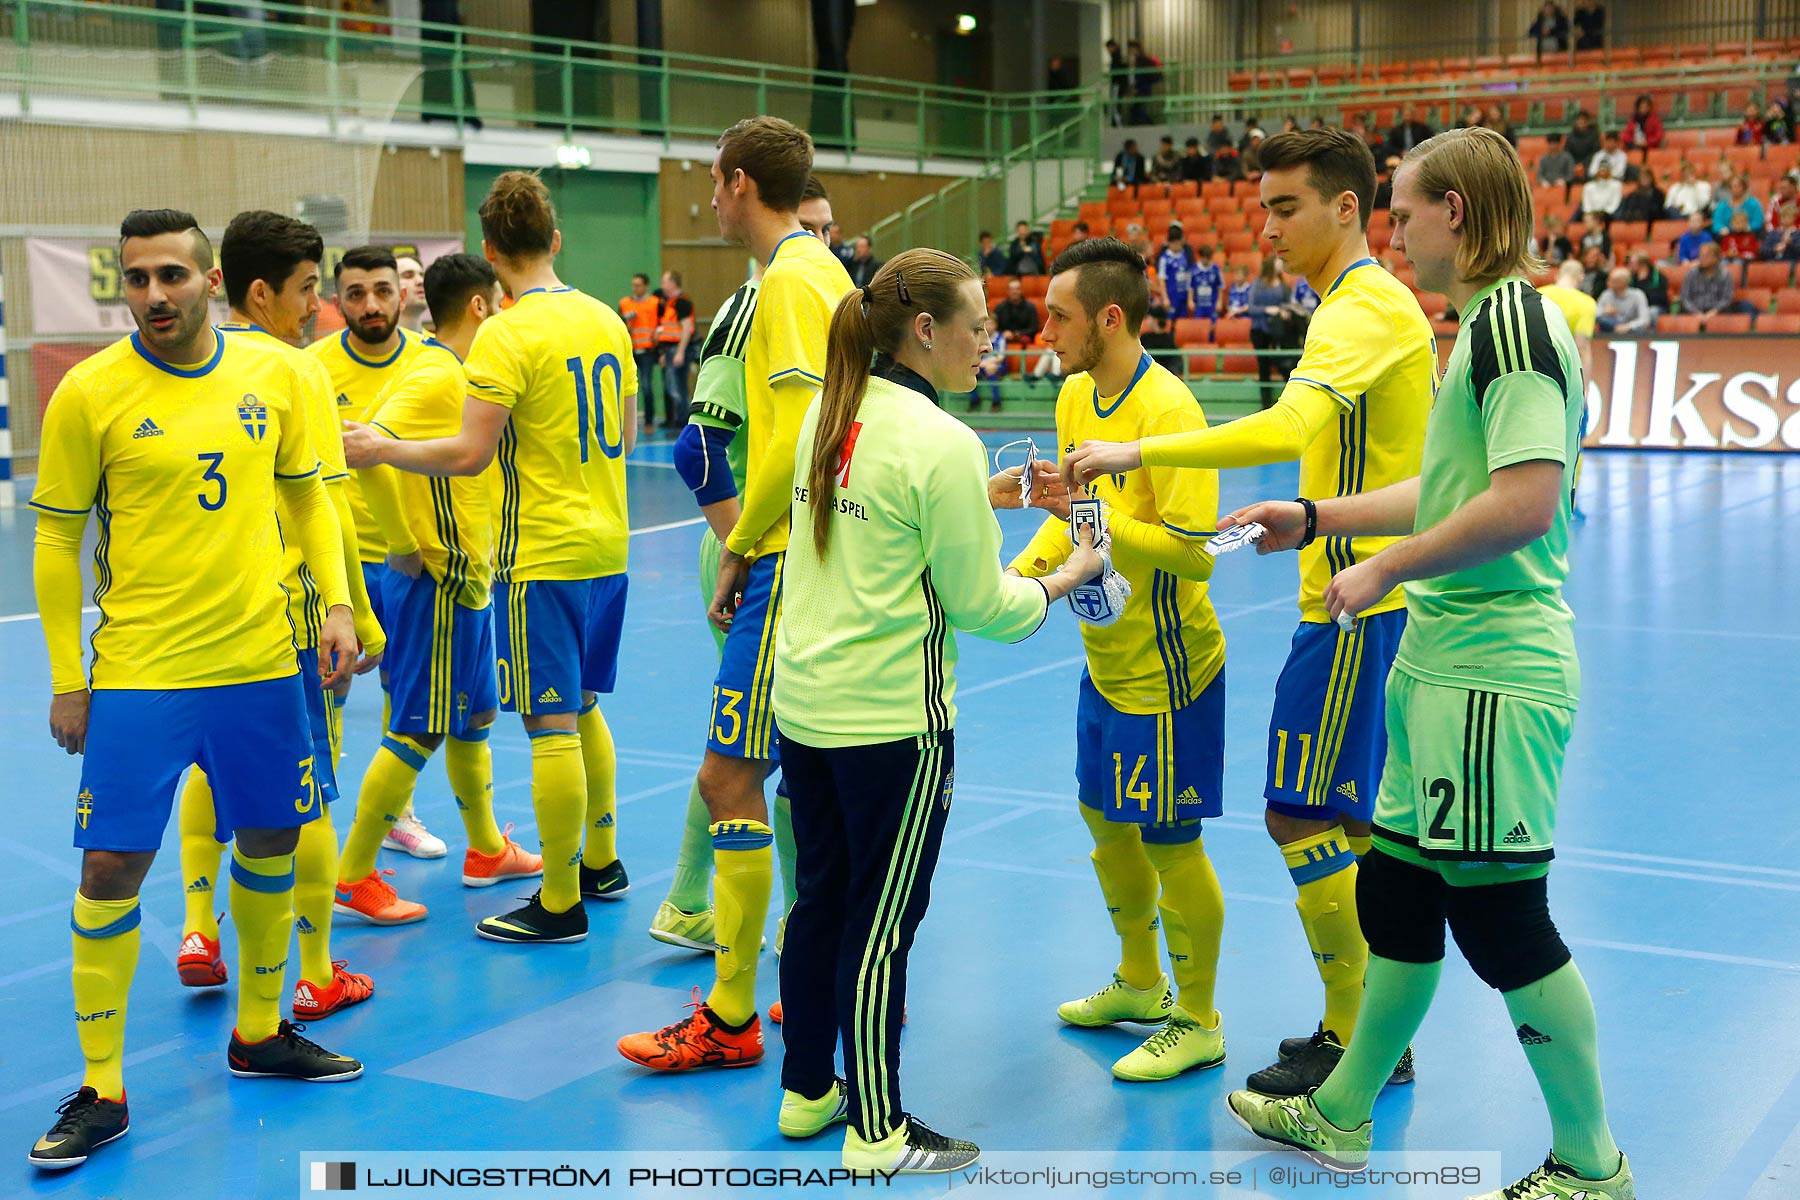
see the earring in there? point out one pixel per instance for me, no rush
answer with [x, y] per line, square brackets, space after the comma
[928, 345]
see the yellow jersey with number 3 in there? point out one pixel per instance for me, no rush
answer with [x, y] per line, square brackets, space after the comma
[179, 465]
[451, 519]
[561, 361]
[1371, 349]
[355, 382]
[306, 607]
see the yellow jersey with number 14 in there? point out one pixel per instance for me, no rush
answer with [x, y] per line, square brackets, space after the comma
[179, 464]
[355, 382]
[1371, 349]
[561, 361]
[451, 519]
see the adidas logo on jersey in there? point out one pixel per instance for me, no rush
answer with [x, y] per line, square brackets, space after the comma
[1517, 836]
[343, 400]
[549, 696]
[1347, 790]
[147, 429]
[202, 884]
[1188, 796]
[302, 925]
[1531, 1037]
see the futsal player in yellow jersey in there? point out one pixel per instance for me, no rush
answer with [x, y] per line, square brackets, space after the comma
[370, 352]
[1150, 714]
[759, 179]
[183, 442]
[440, 662]
[1353, 412]
[552, 390]
[270, 264]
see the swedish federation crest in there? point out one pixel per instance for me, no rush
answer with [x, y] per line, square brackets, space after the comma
[253, 415]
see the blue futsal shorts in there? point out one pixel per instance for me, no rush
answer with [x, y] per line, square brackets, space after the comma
[1159, 771]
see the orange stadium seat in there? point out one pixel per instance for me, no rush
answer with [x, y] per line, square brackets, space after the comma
[1787, 301]
[1760, 298]
[1769, 275]
[1192, 331]
[1677, 324]
[1232, 330]
[1729, 323]
[1778, 323]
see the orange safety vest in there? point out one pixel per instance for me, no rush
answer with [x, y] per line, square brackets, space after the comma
[640, 317]
[669, 332]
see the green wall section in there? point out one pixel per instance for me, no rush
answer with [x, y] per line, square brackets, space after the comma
[610, 223]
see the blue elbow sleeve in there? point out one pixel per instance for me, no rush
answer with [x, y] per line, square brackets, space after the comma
[700, 461]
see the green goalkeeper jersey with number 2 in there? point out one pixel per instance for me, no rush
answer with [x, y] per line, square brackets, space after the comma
[1512, 394]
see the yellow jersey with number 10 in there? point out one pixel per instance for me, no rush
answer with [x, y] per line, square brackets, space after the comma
[179, 464]
[561, 361]
[355, 382]
[1371, 349]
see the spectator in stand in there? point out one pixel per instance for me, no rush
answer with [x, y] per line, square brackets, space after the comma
[1016, 319]
[1316, 123]
[1059, 75]
[1622, 308]
[1778, 125]
[1118, 84]
[1690, 195]
[1781, 240]
[834, 241]
[1555, 245]
[1598, 236]
[1648, 278]
[1583, 142]
[1602, 194]
[1783, 203]
[1269, 322]
[1645, 129]
[1166, 166]
[1025, 253]
[1290, 125]
[674, 333]
[1750, 133]
[988, 374]
[1195, 167]
[1158, 335]
[1080, 233]
[1206, 285]
[1237, 296]
[1549, 34]
[1739, 245]
[1252, 130]
[863, 264]
[1251, 162]
[1594, 270]
[1590, 25]
[1645, 200]
[1145, 72]
[1384, 183]
[1610, 153]
[1557, 165]
[989, 258]
[1175, 268]
[1739, 200]
[1409, 132]
[1709, 288]
[1048, 367]
[1218, 137]
[1472, 118]
[1129, 167]
[1699, 233]
[1496, 121]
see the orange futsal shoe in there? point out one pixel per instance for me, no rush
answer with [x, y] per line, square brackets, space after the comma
[200, 962]
[513, 862]
[696, 1041]
[375, 901]
[313, 1001]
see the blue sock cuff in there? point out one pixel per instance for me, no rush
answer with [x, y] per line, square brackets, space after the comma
[473, 735]
[338, 701]
[403, 752]
[1322, 863]
[268, 884]
[124, 924]
[590, 706]
[741, 835]
[535, 734]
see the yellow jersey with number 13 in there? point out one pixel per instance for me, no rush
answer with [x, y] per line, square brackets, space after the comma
[561, 361]
[355, 382]
[179, 464]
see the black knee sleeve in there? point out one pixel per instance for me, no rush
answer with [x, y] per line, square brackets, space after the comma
[1401, 909]
[1505, 931]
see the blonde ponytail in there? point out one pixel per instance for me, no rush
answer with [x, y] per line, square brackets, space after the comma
[849, 352]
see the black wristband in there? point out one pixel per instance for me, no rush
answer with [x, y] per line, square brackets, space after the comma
[1312, 522]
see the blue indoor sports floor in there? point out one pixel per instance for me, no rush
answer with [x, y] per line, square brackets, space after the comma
[1676, 881]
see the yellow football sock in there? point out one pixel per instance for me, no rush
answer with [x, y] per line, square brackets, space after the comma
[602, 767]
[743, 875]
[387, 788]
[1190, 890]
[1324, 870]
[105, 939]
[201, 854]
[1359, 846]
[334, 725]
[1128, 884]
[315, 885]
[470, 765]
[559, 794]
[262, 906]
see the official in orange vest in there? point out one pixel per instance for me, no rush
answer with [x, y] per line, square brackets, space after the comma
[673, 332]
[642, 312]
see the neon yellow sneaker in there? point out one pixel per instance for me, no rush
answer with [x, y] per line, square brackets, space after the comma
[1119, 1001]
[1556, 1180]
[1182, 1044]
[691, 931]
[912, 1149]
[1297, 1122]
[802, 1118]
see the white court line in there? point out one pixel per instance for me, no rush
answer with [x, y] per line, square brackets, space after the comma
[31, 616]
